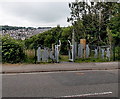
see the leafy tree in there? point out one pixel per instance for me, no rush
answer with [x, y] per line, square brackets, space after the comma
[65, 36]
[50, 37]
[90, 20]
[114, 24]
[78, 9]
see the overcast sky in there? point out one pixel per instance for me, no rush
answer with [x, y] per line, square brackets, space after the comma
[34, 14]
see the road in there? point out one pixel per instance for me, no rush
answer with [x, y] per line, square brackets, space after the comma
[95, 83]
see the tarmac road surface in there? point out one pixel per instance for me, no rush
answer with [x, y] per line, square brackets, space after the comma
[89, 83]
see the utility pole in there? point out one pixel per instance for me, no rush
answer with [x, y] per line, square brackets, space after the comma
[73, 43]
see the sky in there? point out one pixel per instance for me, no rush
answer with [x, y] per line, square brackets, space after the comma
[34, 13]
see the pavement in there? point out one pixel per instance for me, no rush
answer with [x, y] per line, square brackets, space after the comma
[55, 67]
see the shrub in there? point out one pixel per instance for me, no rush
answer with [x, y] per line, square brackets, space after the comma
[12, 50]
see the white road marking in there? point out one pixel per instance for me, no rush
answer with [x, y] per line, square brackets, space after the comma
[90, 94]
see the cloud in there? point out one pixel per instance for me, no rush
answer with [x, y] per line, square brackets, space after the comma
[37, 13]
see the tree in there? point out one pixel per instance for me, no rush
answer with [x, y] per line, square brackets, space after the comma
[114, 24]
[90, 20]
[45, 39]
[78, 9]
[65, 36]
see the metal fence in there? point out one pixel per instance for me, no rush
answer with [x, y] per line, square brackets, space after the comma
[77, 51]
[90, 51]
[44, 54]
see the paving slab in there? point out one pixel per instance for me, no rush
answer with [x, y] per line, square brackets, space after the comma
[27, 68]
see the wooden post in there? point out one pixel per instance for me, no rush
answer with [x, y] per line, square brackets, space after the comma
[83, 42]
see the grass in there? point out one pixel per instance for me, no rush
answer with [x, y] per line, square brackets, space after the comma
[64, 58]
[80, 60]
[30, 53]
